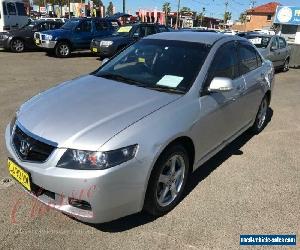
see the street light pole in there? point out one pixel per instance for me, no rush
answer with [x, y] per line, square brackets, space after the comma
[124, 11]
[177, 17]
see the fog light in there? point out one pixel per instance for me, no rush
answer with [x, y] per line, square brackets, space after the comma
[80, 204]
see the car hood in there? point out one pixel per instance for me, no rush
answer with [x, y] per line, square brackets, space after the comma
[116, 38]
[86, 112]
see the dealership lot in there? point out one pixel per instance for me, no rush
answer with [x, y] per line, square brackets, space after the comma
[251, 187]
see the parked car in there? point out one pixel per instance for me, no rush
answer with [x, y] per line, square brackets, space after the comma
[247, 33]
[127, 136]
[12, 14]
[22, 39]
[273, 48]
[125, 35]
[75, 34]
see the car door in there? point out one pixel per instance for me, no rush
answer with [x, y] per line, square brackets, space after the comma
[283, 50]
[274, 52]
[83, 34]
[250, 68]
[220, 111]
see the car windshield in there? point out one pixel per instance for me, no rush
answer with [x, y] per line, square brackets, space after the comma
[259, 41]
[30, 25]
[123, 31]
[162, 65]
[70, 25]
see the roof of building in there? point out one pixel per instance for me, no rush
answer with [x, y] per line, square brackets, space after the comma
[189, 36]
[268, 8]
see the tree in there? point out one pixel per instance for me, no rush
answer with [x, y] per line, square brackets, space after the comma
[227, 16]
[243, 17]
[98, 3]
[166, 9]
[185, 9]
[110, 9]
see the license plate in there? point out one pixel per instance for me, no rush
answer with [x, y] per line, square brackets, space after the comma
[37, 41]
[95, 50]
[19, 174]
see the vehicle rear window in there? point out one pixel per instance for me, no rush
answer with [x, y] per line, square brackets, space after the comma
[259, 41]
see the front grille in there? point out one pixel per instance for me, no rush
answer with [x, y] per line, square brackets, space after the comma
[30, 149]
[42, 37]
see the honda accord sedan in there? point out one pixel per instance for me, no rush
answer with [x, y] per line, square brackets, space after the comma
[125, 138]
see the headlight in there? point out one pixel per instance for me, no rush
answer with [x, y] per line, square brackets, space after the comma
[13, 122]
[106, 43]
[4, 36]
[88, 160]
[48, 37]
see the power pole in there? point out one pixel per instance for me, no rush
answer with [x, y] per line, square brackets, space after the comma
[177, 16]
[225, 14]
[124, 11]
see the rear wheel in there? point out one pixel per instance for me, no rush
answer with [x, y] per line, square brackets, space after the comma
[62, 49]
[17, 45]
[261, 117]
[167, 181]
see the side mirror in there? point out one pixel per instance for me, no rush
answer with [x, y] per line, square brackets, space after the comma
[220, 84]
[274, 47]
[105, 60]
[136, 35]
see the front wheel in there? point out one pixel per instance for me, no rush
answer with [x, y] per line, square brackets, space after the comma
[261, 117]
[17, 46]
[286, 66]
[167, 181]
[62, 49]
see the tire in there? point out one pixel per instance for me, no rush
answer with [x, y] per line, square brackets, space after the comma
[261, 116]
[166, 184]
[62, 49]
[17, 45]
[285, 66]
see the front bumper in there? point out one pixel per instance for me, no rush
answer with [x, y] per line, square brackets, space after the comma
[103, 51]
[111, 193]
[46, 44]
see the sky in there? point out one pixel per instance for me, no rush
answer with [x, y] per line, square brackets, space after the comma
[214, 8]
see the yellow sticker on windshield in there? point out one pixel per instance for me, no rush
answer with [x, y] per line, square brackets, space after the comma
[141, 60]
[124, 29]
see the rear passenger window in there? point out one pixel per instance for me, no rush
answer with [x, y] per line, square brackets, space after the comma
[248, 58]
[85, 26]
[282, 43]
[150, 30]
[225, 63]
[21, 9]
[11, 8]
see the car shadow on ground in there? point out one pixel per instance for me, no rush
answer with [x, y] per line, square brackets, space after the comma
[75, 54]
[139, 219]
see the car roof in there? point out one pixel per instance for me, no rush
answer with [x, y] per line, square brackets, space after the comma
[197, 37]
[259, 34]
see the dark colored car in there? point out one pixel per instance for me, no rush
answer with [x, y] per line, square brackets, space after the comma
[75, 34]
[22, 39]
[123, 37]
[248, 33]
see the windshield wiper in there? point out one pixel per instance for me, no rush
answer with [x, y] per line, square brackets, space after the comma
[166, 89]
[120, 78]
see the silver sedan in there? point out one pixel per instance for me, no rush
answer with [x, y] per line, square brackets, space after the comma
[126, 137]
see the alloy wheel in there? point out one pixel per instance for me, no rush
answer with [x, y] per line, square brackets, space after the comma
[18, 45]
[170, 180]
[64, 50]
[262, 113]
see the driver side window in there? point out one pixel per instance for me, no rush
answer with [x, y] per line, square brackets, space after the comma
[224, 64]
[274, 43]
